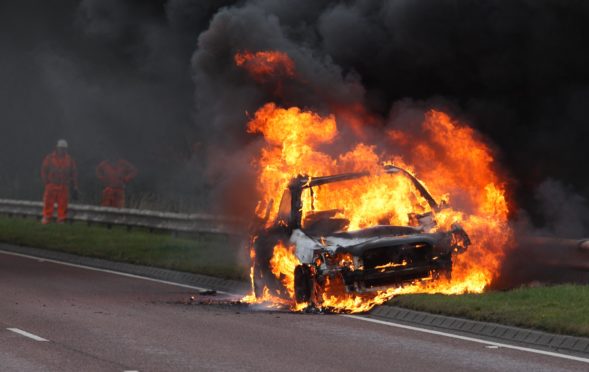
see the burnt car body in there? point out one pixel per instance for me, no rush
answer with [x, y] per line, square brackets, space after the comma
[364, 260]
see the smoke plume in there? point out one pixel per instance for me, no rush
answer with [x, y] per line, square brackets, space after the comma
[155, 82]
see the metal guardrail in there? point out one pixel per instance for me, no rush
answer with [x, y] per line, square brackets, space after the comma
[175, 222]
[551, 251]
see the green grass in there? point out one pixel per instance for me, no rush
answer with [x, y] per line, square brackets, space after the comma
[558, 309]
[208, 254]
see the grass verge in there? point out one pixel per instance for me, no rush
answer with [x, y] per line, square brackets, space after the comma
[208, 254]
[559, 309]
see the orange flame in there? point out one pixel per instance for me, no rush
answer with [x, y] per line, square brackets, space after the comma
[458, 165]
[450, 158]
[283, 263]
[453, 163]
[265, 65]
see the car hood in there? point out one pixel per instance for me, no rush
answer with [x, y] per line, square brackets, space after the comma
[358, 248]
[356, 242]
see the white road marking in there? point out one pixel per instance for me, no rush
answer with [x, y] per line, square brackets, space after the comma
[115, 272]
[388, 323]
[27, 334]
[492, 347]
[472, 339]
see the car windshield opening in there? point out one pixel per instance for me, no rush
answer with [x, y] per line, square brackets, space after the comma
[383, 199]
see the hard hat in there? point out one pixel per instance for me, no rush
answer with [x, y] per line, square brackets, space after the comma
[62, 143]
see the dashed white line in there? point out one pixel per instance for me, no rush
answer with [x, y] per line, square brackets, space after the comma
[472, 339]
[27, 334]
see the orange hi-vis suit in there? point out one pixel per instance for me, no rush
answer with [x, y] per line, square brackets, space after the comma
[58, 173]
[114, 176]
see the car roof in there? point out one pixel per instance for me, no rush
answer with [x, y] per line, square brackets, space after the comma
[304, 181]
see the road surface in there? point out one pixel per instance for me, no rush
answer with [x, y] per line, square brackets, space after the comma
[60, 318]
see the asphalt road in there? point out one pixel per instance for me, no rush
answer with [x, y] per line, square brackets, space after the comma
[97, 321]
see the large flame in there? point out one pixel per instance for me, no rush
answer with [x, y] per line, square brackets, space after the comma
[458, 166]
[450, 159]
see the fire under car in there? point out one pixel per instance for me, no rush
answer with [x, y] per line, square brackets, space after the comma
[366, 259]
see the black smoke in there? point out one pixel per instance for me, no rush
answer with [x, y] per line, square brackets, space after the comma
[154, 81]
[114, 79]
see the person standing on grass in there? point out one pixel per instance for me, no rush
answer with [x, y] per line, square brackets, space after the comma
[115, 175]
[58, 172]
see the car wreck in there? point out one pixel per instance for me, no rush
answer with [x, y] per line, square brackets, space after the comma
[365, 259]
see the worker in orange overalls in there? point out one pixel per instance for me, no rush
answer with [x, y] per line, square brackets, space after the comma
[59, 172]
[115, 175]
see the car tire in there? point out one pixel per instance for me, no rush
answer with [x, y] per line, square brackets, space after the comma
[258, 282]
[445, 274]
[303, 283]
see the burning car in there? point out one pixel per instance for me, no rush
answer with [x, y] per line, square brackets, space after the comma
[361, 260]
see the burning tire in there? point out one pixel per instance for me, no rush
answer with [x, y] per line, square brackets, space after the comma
[258, 282]
[263, 278]
[445, 274]
[303, 283]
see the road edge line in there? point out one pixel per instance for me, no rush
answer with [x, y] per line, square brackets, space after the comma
[110, 272]
[467, 338]
[365, 318]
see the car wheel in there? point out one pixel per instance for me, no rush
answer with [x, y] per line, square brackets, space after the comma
[303, 283]
[445, 273]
